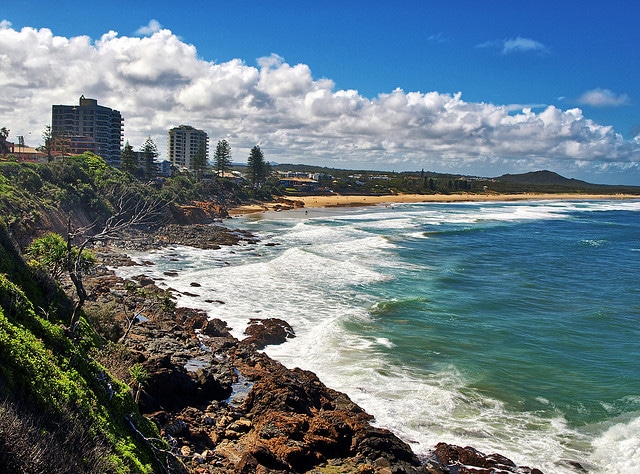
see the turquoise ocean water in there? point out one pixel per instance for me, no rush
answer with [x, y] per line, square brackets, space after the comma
[511, 327]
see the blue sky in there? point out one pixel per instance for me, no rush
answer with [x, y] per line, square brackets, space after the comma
[463, 86]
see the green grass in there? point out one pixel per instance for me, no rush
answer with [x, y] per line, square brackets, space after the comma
[42, 367]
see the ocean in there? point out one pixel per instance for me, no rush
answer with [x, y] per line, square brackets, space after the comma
[513, 327]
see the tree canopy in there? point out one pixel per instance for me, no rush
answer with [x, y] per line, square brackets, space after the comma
[222, 157]
[149, 152]
[128, 159]
[258, 168]
[199, 161]
[4, 147]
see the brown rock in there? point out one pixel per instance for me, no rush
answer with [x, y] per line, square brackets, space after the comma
[469, 460]
[265, 332]
[191, 318]
[215, 328]
[289, 421]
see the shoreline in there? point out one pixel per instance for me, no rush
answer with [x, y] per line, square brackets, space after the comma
[220, 425]
[339, 200]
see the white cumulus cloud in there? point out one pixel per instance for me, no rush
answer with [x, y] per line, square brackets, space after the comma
[159, 81]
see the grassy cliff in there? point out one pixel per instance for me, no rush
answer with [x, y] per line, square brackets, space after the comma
[60, 410]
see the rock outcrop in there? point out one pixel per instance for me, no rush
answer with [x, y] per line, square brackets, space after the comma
[469, 460]
[199, 212]
[203, 236]
[267, 332]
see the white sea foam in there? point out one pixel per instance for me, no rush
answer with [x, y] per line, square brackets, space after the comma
[287, 283]
[531, 210]
[307, 234]
[618, 448]
[294, 266]
[594, 242]
[417, 235]
[612, 205]
[523, 212]
[388, 224]
[383, 341]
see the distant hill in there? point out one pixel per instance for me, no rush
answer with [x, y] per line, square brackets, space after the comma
[544, 177]
[543, 181]
[549, 181]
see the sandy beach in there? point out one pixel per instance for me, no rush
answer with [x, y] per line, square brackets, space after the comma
[360, 200]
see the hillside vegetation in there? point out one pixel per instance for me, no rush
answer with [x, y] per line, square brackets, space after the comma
[61, 410]
[39, 197]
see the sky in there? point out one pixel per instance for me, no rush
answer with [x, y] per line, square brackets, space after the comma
[453, 86]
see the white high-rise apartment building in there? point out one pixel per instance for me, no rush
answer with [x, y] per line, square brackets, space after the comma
[183, 143]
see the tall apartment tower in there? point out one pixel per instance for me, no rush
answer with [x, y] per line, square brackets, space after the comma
[90, 127]
[183, 143]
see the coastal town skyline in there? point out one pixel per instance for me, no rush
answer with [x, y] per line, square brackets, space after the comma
[482, 90]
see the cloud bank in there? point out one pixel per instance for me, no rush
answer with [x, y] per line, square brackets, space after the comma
[158, 82]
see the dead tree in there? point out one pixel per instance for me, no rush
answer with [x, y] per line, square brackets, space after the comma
[129, 211]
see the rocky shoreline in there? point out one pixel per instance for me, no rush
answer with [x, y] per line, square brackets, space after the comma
[226, 407]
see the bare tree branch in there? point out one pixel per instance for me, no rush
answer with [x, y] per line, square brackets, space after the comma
[130, 209]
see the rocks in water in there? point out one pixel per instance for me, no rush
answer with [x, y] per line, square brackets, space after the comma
[469, 460]
[298, 423]
[144, 280]
[288, 421]
[216, 328]
[202, 236]
[214, 301]
[265, 332]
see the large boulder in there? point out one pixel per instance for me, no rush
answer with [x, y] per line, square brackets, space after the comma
[266, 332]
[469, 460]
